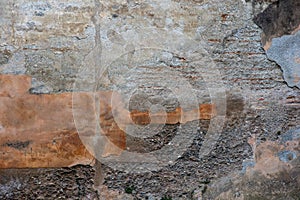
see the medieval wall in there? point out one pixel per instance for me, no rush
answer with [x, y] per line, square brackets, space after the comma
[182, 99]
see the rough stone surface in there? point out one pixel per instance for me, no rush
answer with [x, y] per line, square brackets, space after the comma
[274, 173]
[171, 51]
[64, 183]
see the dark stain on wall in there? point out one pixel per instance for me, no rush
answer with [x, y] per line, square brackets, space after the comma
[18, 144]
[279, 18]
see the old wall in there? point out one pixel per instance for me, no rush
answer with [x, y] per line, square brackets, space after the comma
[165, 58]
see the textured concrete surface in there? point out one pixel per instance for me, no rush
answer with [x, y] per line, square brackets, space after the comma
[160, 55]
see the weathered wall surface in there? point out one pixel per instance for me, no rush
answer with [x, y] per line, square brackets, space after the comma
[161, 56]
[280, 24]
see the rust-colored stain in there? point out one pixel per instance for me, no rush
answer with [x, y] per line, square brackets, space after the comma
[39, 130]
[224, 17]
[205, 111]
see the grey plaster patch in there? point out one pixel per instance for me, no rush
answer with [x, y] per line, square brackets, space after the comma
[286, 52]
[249, 163]
[14, 65]
[287, 156]
[290, 135]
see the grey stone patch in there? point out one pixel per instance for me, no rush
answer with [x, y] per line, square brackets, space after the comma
[38, 87]
[7, 190]
[150, 196]
[7, 16]
[15, 65]
[286, 52]
[246, 164]
[287, 156]
[53, 71]
[34, 7]
[290, 135]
